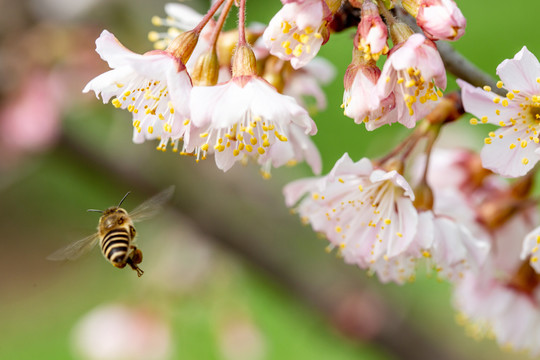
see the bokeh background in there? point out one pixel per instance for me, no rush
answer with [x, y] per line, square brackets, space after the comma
[229, 272]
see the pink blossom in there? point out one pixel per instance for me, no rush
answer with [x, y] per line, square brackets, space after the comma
[360, 99]
[120, 332]
[372, 33]
[503, 297]
[449, 245]
[364, 211]
[154, 87]
[30, 121]
[530, 249]
[489, 307]
[513, 149]
[441, 19]
[297, 31]
[413, 71]
[259, 119]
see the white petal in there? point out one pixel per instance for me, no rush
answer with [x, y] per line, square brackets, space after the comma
[521, 72]
[506, 155]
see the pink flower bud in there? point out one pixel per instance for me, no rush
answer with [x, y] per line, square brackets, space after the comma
[372, 33]
[441, 19]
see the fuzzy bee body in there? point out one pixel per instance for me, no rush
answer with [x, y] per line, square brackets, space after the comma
[116, 234]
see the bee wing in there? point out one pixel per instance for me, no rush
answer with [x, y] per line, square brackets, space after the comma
[75, 249]
[151, 206]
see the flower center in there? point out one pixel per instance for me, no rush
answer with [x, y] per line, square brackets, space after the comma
[299, 41]
[242, 138]
[366, 221]
[414, 88]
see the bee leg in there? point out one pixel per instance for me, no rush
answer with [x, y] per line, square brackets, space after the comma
[134, 259]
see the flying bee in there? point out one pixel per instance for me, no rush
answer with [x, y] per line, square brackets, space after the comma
[116, 233]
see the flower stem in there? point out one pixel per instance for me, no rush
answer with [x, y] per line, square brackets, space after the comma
[197, 30]
[220, 23]
[242, 23]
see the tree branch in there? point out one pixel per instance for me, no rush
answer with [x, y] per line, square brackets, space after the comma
[246, 215]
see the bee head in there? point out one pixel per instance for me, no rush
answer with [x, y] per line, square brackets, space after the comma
[113, 217]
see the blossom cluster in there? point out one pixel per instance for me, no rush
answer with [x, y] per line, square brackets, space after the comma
[240, 94]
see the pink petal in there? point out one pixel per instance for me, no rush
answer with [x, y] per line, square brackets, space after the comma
[521, 72]
[506, 161]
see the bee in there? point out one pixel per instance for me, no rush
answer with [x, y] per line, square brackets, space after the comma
[116, 234]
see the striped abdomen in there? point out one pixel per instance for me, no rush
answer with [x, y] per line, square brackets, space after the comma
[115, 245]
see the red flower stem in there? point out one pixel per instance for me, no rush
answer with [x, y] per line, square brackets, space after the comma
[208, 16]
[242, 23]
[220, 23]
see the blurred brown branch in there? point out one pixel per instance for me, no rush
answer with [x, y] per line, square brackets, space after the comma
[247, 216]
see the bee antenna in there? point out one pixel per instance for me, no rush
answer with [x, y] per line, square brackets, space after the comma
[124, 198]
[95, 210]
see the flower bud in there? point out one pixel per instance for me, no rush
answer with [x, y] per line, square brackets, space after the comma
[183, 45]
[411, 6]
[273, 73]
[400, 32]
[206, 70]
[227, 42]
[372, 33]
[423, 197]
[244, 62]
[441, 19]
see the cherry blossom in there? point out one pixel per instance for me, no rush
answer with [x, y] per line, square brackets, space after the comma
[372, 33]
[297, 31]
[154, 87]
[413, 71]
[441, 19]
[511, 150]
[361, 100]
[364, 211]
[530, 249]
[502, 298]
[116, 331]
[260, 118]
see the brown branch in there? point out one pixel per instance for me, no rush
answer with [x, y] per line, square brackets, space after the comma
[246, 215]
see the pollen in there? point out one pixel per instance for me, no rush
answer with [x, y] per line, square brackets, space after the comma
[499, 84]
[524, 161]
[473, 121]
[487, 88]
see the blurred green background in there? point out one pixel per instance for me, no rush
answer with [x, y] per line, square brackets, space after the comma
[229, 258]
